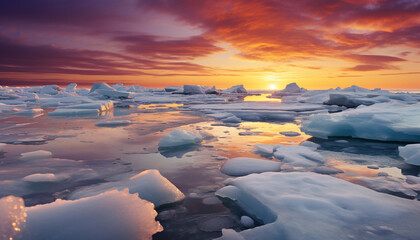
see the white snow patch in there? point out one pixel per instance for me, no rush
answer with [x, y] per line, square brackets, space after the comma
[149, 184]
[243, 166]
[322, 207]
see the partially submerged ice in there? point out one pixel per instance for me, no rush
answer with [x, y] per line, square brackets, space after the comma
[110, 215]
[410, 153]
[382, 121]
[243, 166]
[179, 137]
[296, 156]
[314, 206]
[149, 185]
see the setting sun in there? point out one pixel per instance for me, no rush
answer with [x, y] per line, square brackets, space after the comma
[272, 87]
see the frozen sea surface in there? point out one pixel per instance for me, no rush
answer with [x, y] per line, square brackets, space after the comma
[101, 142]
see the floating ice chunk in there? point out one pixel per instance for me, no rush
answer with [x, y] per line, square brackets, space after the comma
[264, 148]
[247, 222]
[2, 146]
[410, 153]
[243, 166]
[107, 91]
[73, 112]
[232, 119]
[193, 89]
[96, 86]
[99, 105]
[111, 215]
[311, 145]
[220, 115]
[31, 112]
[174, 89]
[298, 156]
[327, 170]
[113, 123]
[179, 137]
[35, 155]
[290, 133]
[149, 184]
[113, 93]
[93, 108]
[382, 121]
[291, 89]
[71, 87]
[43, 177]
[349, 101]
[50, 89]
[322, 207]
[388, 185]
[235, 89]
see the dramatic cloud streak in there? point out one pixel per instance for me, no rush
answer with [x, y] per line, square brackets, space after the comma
[169, 38]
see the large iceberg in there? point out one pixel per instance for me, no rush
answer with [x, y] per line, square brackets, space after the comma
[290, 89]
[110, 215]
[382, 121]
[314, 206]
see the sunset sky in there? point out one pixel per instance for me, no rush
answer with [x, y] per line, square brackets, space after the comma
[258, 43]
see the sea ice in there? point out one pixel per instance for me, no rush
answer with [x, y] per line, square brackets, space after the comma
[290, 89]
[247, 222]
[235, 89]
[382, 121]
[179, 137]
[243, 166]
[314, 206]
[107, 91]
[149, 184]
[110, 215]
[290, 134]
[40, 154]
[410, 153]
[50, 89]
[42, 177]
[193, 89]
[298, 156]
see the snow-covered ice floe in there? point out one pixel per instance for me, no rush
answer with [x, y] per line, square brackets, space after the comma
[382, 121]
[410, 153]
[296, 156]
[149, 185]
[314, 206]
[110, 215]
[243, 166]
[91, 108]
[179, 137]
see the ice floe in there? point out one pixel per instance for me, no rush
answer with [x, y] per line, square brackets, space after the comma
[313, 206]
[243, 166]
[149, 184]
[382, 121]
[35, 155]
[110, 215]
[410, 153]
[180, 137]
